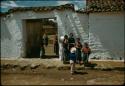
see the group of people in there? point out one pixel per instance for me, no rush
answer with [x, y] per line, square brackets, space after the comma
[74, 51]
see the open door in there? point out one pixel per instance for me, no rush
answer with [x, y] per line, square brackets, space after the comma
[35, 28]
[50, 28]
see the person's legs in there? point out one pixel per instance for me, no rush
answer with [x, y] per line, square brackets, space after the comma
[43, 50]
[87, 57]
[77, 56]
[41, 53]
[57, 49]
[71, 69]
[84, 58]
[80, 57]
[54, 48]
[71, 66]
[66, 53]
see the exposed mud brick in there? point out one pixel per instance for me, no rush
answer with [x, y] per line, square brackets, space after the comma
[34, 66]
[23, 67]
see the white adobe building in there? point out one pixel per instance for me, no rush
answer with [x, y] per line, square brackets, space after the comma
[103, 30]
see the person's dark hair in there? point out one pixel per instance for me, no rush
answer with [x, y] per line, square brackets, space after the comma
[73, 45]
[78, 38]
[71, 34]
[66, 37]
[86, 44]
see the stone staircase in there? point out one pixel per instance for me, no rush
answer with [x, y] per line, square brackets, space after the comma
[98, 51]
[96, 46]
[71, 23]
[78, 28]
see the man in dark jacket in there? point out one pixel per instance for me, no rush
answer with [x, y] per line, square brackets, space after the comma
[71, 40]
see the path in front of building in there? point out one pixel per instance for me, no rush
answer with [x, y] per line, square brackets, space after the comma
[38, 71]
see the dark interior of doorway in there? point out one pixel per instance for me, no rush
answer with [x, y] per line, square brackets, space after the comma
[35, 28]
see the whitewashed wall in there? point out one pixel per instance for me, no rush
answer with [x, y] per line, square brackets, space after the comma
[107, 34]
[13, 33]
[10, 37]
[105, 31]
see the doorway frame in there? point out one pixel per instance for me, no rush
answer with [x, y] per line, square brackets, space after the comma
[24, 32]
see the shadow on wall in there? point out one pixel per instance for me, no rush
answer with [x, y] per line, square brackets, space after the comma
[5, 34]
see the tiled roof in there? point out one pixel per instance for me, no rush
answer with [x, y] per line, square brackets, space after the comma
[105, 5]
[39, 9]
[91, 6]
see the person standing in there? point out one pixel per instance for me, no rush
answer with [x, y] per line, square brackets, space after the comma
[56, 45]
[42, 49]
[71, 40]
[65, 47]
[86, 52]
[72, 56]
[78, 50]
[45, 39]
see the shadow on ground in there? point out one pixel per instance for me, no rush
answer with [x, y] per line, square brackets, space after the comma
[81, 73]
[119, 68]
[92, 65]
[49, 56]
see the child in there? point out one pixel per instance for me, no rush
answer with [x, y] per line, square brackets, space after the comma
[72, 56]
[78, 50]
[86, 52]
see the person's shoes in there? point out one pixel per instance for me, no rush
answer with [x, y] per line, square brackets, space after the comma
[72, 73]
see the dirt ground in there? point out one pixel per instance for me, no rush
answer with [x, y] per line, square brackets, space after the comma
[61, 77]
[54, 72]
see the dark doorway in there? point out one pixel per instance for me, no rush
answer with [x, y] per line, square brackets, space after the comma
[35, 28]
